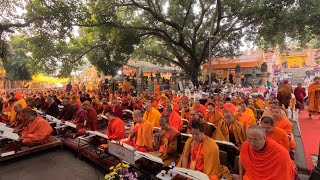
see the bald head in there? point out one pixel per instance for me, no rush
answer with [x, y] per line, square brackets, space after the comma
[137, 116]
[195, 115]
[257, 137]
[228, 116]
[17, 107]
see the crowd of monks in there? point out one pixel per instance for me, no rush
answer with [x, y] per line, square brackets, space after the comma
[258, 127]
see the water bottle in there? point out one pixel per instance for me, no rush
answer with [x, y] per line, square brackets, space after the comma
[173, 164]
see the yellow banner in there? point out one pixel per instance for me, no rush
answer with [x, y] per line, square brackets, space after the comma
[46, 79]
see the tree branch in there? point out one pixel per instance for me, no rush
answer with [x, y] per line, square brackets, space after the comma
[5, 27]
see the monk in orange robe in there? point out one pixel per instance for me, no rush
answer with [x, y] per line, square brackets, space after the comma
[247, 111]
[175, 120]
[185, 111]
[212, 115]
[260, 155]
[285, 124]
[220, 107]
[259, 103]
[314, 105]
[19, 100]
[275, 133]
[152, 115]
[105, 106]
[168, 137]
[140, 133]
[229, 106]
[195, 117]
[230, 130]
[37, 131]
[273, 104]
[201, 153]
[246, 119]
[116, 129]
[201, 108]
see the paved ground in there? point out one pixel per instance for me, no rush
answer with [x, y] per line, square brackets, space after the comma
[53, 165]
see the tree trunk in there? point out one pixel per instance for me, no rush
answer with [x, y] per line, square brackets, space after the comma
[192, 72]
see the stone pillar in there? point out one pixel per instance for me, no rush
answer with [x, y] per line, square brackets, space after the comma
[264, 74]
[173, 81]
[238, 75]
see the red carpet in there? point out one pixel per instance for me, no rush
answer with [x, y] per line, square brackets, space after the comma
[310, 134]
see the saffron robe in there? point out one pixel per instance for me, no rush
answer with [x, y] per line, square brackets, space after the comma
[313, 100]
[210, 161]
[116, 129]
[213, 118]
[246, 119]
[236, 128]
[272, 158]
[175, 121]
[13, 113]
[207, 129]
[143, 136]
[202, 109]
[230, 107]
[168, 146]
[91, 121]
[280, 136]
[37, 132]
[153, 117]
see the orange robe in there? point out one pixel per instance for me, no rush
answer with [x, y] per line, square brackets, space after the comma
[184, 114]
[213, 118]
[259, 104]
[280, 136]
[20, 122]
[313, 100]
[208, 160]
[249, 112]
[246, 119]
[155, 105]
[153, 117]
[116, 129]
[202, 109]
[13, 113]
[286, 125]
[230, 107]
[143, 135]
[37, 132]
[223, 131]
[273, 158]
[168, 147]
[175, 121]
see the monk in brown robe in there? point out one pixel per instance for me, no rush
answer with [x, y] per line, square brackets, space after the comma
[260, 155]
[314, 105]
[284, 93]
[185, 111]
[212, 115]
[168, 142]
[175, 120]
[231, 130]
[20, 121]
[105, 106]
[201, 153]
[91, 121]
[195, 117]
[140, 133]
[37, 131]
[275, 133]
[67, 111]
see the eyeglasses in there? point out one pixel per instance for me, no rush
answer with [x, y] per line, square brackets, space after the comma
[254, 140]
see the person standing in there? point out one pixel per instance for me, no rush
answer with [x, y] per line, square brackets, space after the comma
[313, 98]
[300, 94]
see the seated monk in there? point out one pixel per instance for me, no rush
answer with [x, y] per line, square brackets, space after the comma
[229, 106]
[248, 111]
[19, 100]
[20, 123]
[91, 119]
[116, 129]
[168, 137]
[67, 111]
[195, 117]
[201, 108]
[79, 115]
[152, 115]
[185, 110]
[105, 106]
[140, 133]
[117, 108]
[231, 130]
[213, 116]
[275, 133]
[263, 158]
[175, 120]
[201, 153]
[97, 106]
[252, 106]
[220, 107]
[273, 104]
[285, 124]
[246, 119]
[37, 131]
[259, 103]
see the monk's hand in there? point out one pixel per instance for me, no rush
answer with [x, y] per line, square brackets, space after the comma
[21, 138]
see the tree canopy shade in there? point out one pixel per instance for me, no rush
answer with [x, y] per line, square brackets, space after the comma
[165, 31]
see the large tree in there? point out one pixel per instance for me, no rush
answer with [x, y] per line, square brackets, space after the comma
[173, 31]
